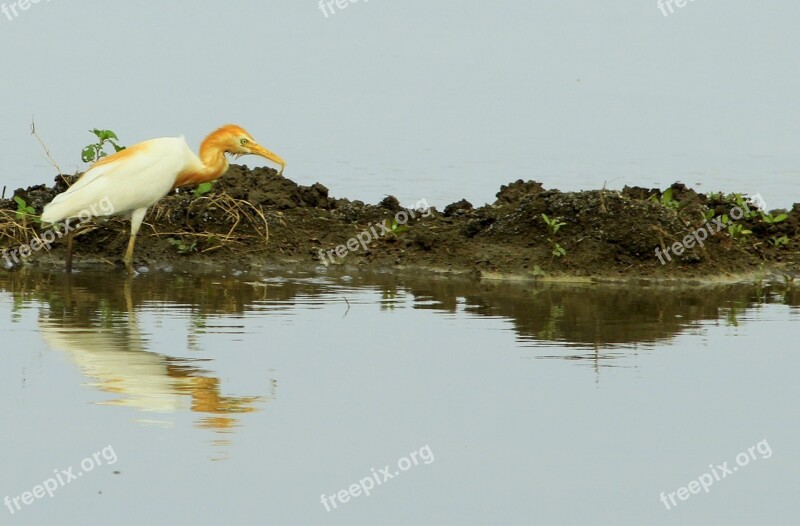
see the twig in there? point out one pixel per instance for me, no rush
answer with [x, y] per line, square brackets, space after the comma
[603, 198]
[47, 152]
[348, 306]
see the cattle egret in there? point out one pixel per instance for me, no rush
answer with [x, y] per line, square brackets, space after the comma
[132, 180]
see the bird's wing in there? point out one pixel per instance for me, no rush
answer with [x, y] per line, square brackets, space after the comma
[131, 179]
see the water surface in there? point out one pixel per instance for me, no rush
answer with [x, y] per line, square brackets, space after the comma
[245, 398]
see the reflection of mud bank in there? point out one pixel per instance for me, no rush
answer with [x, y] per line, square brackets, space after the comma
[593, 316]
[257, 217]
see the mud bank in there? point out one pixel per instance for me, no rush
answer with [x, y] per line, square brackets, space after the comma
[256, 217]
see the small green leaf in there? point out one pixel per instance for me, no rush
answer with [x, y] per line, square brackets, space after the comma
[202, 189]
[88, 154]
[105, 135]
[117, 147]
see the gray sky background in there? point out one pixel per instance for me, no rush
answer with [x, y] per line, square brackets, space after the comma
[421, 99]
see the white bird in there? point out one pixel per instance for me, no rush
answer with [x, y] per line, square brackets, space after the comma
[134, 179]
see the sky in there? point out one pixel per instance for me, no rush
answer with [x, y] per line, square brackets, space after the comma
[419, 99]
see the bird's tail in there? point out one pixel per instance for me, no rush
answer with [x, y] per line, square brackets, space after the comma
[57, 210]
[69, 205]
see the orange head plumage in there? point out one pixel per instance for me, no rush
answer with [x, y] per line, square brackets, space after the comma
[236, 141]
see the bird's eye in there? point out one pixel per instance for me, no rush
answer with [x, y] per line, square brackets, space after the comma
[244, 142]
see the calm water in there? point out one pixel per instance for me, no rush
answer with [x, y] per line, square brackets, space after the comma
[245, 398]
[421, 99]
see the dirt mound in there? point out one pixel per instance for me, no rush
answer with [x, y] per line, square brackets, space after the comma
[262, 186]
[259, 217]
[514, 192]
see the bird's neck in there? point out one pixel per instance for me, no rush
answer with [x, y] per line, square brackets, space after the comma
[213, 164]
[212, 155]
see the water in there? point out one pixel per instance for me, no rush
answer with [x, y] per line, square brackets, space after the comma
[244, 399]
[248, 398]
[421, 99]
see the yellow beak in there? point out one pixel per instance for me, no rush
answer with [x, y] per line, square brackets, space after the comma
[263, 152]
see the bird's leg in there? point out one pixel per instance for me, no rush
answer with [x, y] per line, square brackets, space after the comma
[136, 221]
[70, 246]
[71, 232]
[128, 259]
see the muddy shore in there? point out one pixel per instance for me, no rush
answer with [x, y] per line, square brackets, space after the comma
[257, 217]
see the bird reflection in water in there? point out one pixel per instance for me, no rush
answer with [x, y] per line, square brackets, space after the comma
[109, 348]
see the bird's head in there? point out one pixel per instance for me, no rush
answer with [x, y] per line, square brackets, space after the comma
[237, 142]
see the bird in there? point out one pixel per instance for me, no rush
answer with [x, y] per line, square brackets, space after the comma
[132, 180]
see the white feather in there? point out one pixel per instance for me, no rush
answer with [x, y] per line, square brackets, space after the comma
[134, 182]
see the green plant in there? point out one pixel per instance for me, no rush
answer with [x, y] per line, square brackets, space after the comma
[395, 228]
[738, 200]
[202, 189]
[549, 330]
[770, 219]
[537, 272]
[666, 199]
[553, 226]
[558, 250]
[181, 245]
[758, 278]
[778, 242]
[735, 230]
[732, 314]
[95, 152]
[24, 211]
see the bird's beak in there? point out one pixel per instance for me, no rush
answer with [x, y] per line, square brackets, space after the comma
[257, 149]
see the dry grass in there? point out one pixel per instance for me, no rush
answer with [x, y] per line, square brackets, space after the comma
[228, 223]
[13, 231]
[248, 224]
